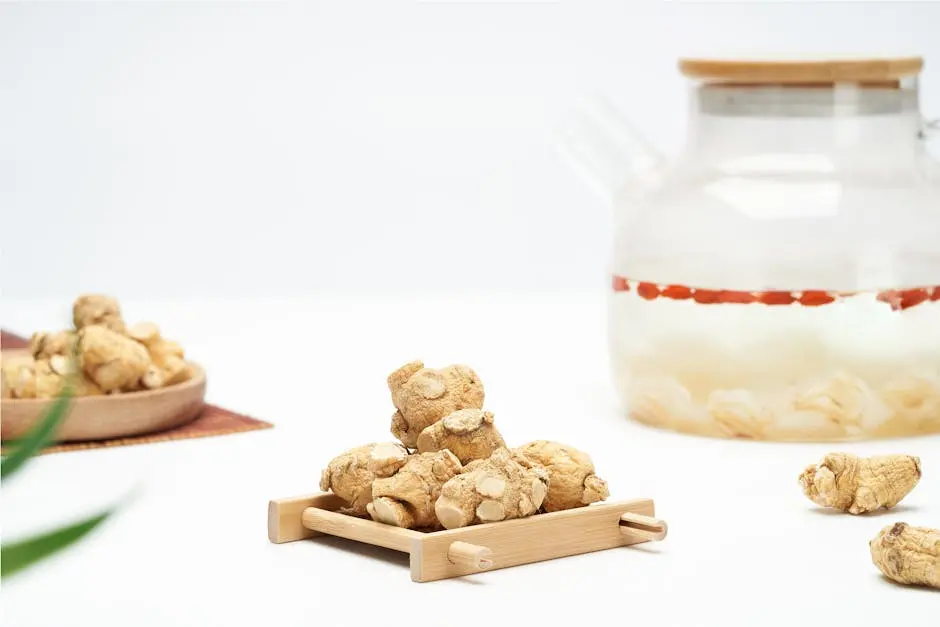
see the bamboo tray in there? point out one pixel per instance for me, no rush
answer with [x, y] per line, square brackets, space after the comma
[458, 552]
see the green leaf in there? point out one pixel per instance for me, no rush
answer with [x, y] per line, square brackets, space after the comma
[16, 556]
[40, 436]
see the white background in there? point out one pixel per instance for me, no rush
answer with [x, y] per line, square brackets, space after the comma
[274, 184]
[207, 149]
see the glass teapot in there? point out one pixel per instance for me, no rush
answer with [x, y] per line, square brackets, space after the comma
[780, 278]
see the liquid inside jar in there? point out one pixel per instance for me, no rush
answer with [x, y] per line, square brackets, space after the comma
[778, 366]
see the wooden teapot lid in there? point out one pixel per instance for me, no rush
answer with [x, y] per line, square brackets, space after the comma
[808, 71]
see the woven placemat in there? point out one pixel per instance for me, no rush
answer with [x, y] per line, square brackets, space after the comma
[212, 421]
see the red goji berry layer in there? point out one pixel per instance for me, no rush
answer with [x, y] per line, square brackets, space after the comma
[899, 299]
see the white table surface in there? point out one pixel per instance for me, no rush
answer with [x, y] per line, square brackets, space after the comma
[745, 547]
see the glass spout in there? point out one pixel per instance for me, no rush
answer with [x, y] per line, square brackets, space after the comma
[606, 149]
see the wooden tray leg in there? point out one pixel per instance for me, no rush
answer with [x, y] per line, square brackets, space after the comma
[285, 516]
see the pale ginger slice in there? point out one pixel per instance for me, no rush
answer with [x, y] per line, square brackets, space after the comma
[915, 399]
[111, 360]
[572, 482]
[43, 345]
[847, 401]
[738, 413]
[490, 490]
[406, 498]
[908, 555]
[154, 377]
[148, 334]
[467, 433]
[97, 309]
[422, 396]
[144, 332]
[349, 475]
[859, 485]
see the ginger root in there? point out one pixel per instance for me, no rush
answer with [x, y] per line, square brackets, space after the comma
[15, 371]
[908, 555]
[112, 356]
[44, 345]
[45, 378]
[422, 396]
[168, 366]
[467, 433]
[452, 468]
[52, 376]
[489, 490]
[97, 309]
[858, 485]
[407, 498]
[572, 482]
[111, 360]
[349, 475]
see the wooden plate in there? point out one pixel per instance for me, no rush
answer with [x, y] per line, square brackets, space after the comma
[112, 416]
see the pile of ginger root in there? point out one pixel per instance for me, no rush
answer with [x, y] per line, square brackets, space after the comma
[100, 354]
[451, 467]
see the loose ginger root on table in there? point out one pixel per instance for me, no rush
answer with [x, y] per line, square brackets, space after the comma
[859, 485]
[908, 555]
[100, 355]
[453, 468]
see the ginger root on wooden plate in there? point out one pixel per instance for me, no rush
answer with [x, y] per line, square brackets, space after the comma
[167, 365]
[44, 345]
[859, 485]
[462, 472]
[467, 433]
[908, 555]
[100, 354]
[422, 396]
[490, 490]
[350, 475]
[113, 361]
[572, 482]
[97, 309]
[407, 498]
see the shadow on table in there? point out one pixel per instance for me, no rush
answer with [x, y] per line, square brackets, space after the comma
[367, 550]
[895, 511]
[385, 555]
[921, 589]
